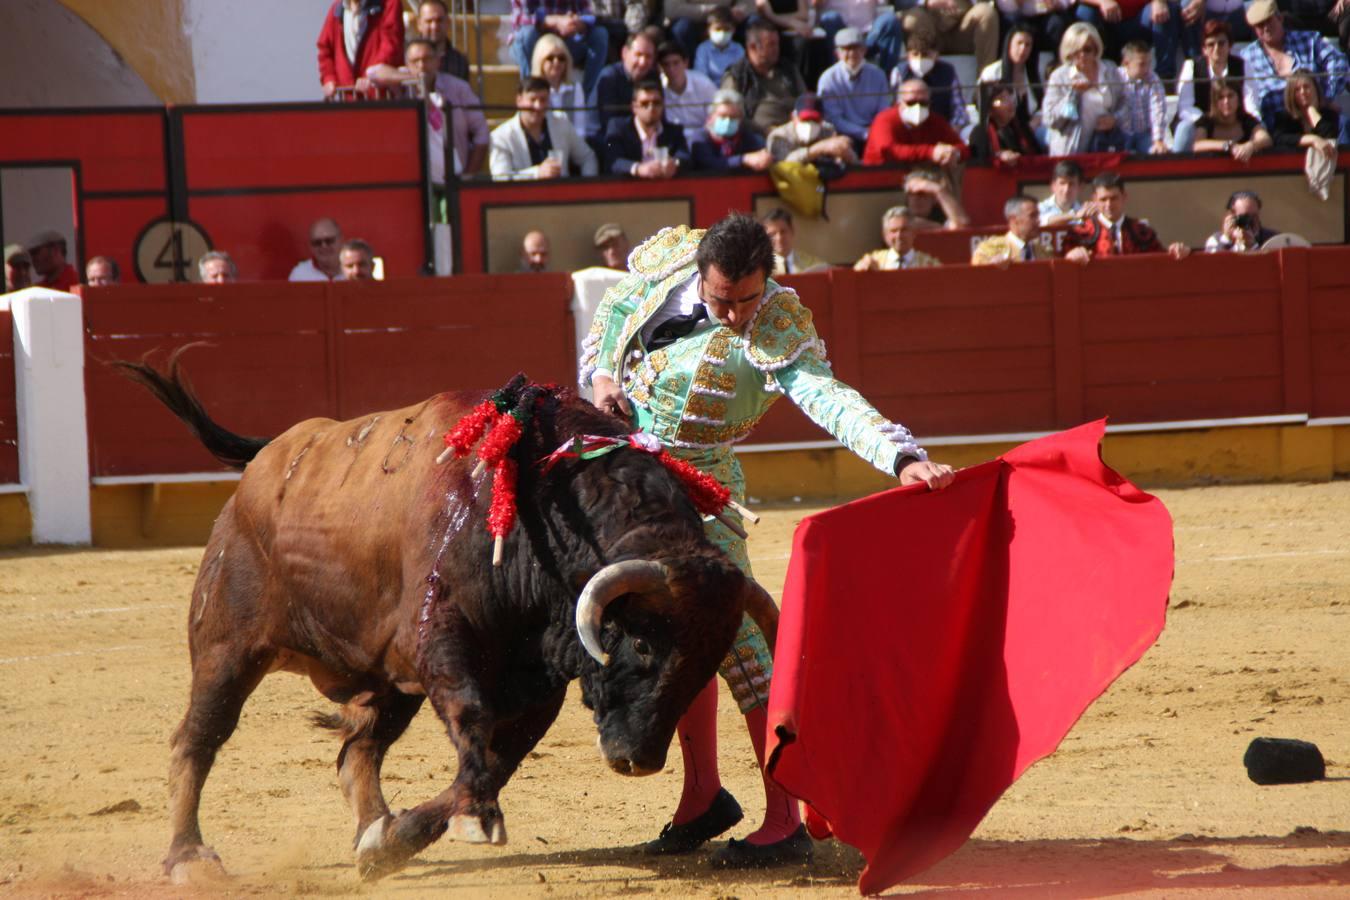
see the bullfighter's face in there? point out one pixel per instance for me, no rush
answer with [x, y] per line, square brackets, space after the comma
[731, 302]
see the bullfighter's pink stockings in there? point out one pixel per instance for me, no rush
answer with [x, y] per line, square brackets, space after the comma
[782, 815]
[698, 746]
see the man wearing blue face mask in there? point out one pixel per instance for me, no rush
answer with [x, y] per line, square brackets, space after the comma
[729, 142]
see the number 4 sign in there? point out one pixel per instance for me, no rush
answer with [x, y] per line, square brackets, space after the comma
[168, 250]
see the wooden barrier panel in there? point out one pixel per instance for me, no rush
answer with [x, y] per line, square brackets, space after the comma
[264, 366]
[405, 340]
[9, 412]
[1328, 309]
[1166, 340]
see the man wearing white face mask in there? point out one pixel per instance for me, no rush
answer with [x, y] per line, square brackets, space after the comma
[944, 86]
[729, 143]
[909, 133]
[807, 136]
[853, 90]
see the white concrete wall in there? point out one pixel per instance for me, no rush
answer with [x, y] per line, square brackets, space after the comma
[255, 51]
[50, 57]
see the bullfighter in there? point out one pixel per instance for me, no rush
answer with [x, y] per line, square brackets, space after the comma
[694, 345]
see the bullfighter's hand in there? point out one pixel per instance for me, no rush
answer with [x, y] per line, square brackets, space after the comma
[609, 396]
[936, 475]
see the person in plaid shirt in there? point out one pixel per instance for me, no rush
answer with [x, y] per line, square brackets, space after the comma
[1144, 121]
[1276, 53]
[573, 21]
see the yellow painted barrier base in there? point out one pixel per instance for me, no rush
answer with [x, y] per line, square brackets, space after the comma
[182, 514]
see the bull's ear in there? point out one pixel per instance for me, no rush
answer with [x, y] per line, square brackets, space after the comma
[760, 607]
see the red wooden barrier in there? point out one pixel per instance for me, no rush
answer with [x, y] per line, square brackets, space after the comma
[1328, 311]
[9, 413]
[278, 353]
[950, 351]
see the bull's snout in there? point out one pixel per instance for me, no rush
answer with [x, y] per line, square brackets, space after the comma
[625, 764]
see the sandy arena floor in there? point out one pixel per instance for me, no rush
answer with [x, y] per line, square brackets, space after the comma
[1146, 797]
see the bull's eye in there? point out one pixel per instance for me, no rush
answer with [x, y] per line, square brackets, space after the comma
[641, 647]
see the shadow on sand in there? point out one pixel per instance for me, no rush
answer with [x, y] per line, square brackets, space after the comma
[982, 868]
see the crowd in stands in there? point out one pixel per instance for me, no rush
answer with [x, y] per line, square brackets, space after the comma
[647, 90]
[730, 74]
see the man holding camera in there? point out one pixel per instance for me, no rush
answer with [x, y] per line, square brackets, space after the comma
[1242, 231]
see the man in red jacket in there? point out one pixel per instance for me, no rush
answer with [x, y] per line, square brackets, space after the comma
[909, 132]
[356, 35]
[1112, 233]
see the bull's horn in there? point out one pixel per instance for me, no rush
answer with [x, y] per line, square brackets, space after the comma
[760, 607]
[613, 581]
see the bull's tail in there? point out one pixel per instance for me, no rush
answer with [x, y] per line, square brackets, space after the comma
[174, 391]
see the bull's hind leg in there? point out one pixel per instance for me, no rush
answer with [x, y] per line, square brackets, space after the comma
[370, 723]
[221, 682]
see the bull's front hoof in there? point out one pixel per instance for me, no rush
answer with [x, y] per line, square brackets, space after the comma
[379, 852]
[486, 829]
[195, 866]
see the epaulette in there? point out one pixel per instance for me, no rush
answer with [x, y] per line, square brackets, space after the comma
[665, 253]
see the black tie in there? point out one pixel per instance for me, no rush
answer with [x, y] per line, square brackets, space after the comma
[676, 327]
[1027, 255]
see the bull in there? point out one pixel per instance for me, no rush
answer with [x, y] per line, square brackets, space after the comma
[349, 553]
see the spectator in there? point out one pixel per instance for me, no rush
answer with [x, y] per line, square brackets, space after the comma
[875, 23]
[932, 201]
[613, 246]
[1044, 20]
[956, 26]
[534, 145]
[216, 267]
[1229, 128]
[770, 87]
[433, 23]
[727, 144]
[1276, 51]
[1021, 243]
[452, 98]
[325, 237]
[1110, 232]
[614, 91]
[357, 36]
[645, 145]
[534, 252]
[1085, 97]
[18, 268]
[808, 137]
[1144, 117]
[1330, 18]
[944, 89]
[1306, 120]
[1002, 135]
[853, 91]
[908, 132]
[690, 19]
[571, 20]
[102, 271]
[719, 52]
[1064, 205]
[1196, 14]
[796, 28]
[1155, 23]
[688, 92]
[1242, 231]
[1019, 69]
[357, 259]
[898, 231]
[1193, 85]
[552, 62]
[47, 250]
[787, 259]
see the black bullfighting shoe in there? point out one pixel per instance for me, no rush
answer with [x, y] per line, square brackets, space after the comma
[796, 849]
[721, 815]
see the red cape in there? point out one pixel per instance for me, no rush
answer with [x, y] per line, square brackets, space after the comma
[933, 645]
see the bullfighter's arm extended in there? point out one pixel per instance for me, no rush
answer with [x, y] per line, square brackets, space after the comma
[785, 347]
